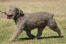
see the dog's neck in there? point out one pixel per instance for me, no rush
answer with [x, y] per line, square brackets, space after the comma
[17, 17]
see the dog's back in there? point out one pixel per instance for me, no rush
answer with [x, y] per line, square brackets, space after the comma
[37, 19]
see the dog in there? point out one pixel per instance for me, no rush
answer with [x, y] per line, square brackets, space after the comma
[29, 21]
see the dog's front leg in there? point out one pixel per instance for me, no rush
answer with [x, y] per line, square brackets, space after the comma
[16, 34]
[20, 27]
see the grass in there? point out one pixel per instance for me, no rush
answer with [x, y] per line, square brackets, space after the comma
[8, 27]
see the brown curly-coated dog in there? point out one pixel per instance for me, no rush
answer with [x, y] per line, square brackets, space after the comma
[29, 21]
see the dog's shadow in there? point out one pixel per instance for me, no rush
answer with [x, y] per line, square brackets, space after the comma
[42, 37]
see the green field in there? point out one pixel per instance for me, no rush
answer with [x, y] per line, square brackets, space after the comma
[8, 27]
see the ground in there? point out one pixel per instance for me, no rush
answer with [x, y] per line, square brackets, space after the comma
[8, 27]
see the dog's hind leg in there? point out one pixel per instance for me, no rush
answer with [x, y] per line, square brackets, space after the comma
[52, 24]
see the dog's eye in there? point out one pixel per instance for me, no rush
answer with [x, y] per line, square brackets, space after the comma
[10, 15]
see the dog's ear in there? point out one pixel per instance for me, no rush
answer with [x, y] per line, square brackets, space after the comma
[20, 12]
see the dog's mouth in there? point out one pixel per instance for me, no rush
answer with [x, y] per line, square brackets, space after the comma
[9, 16]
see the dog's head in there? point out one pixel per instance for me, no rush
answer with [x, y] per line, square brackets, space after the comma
[13, 13]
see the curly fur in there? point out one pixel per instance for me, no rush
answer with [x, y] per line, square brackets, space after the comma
[29, 21]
